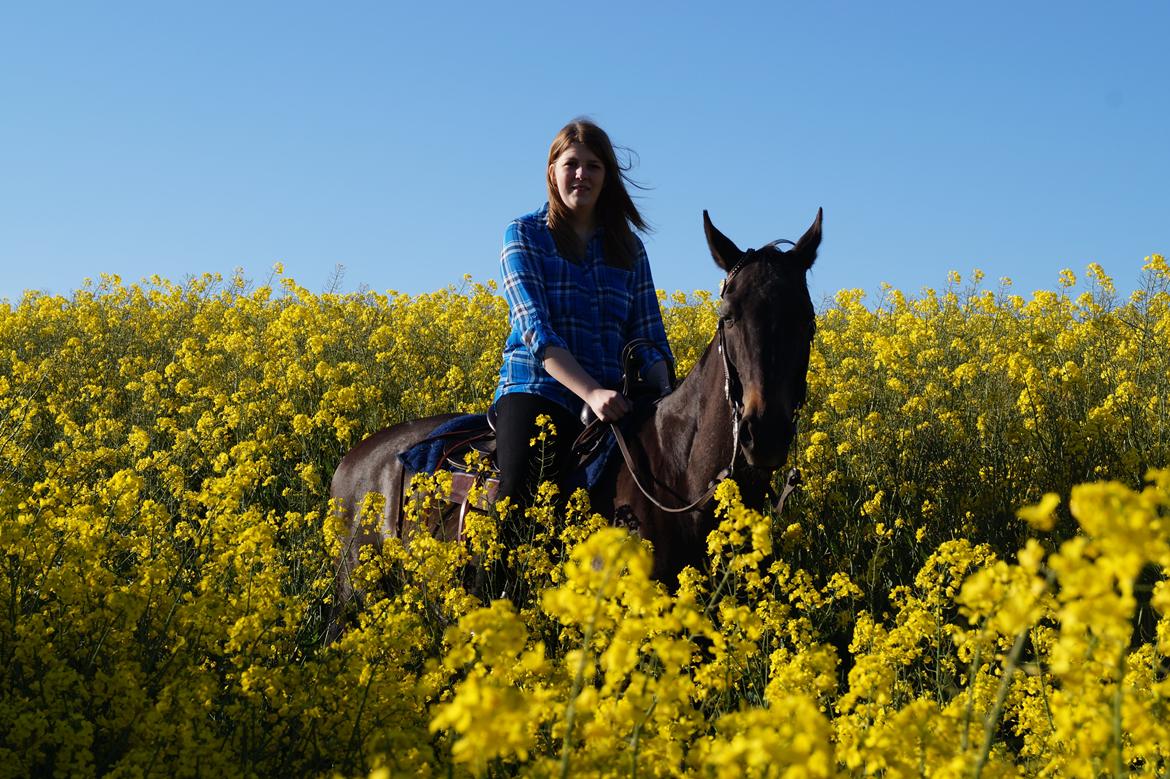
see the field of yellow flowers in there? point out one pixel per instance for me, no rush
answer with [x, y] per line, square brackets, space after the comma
[970, 583]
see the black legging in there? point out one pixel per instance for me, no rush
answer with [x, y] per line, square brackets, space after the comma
[522, 466]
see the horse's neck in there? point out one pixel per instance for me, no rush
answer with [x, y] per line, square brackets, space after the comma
[691, 429]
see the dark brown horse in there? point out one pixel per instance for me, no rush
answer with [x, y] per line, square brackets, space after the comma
[735, 412]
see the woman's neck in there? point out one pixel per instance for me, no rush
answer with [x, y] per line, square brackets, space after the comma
[583, 226]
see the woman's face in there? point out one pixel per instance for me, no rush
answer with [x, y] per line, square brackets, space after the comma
[579, 174]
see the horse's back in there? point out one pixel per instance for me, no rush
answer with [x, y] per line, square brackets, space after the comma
[373, 466]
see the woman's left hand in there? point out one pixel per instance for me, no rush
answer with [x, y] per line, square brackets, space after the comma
[609, 405]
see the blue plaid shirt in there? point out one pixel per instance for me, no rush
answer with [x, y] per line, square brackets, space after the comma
[590, 308]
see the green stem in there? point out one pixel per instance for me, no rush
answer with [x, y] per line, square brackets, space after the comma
[972, 669]
[1044, 692]
[355, 735]
[1009, 670]
[635, 739]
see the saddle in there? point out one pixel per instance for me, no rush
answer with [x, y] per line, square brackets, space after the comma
[480, 444]
[478, 440]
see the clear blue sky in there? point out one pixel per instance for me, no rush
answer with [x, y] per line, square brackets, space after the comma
[398, 139]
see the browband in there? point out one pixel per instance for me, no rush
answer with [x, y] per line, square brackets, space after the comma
[750, 256]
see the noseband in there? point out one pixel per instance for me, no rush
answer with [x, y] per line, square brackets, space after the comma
[735, 405]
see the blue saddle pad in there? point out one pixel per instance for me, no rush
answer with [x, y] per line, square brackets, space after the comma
[427, 455]
[588, 475]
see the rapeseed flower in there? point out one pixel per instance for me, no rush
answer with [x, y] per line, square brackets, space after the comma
[169, 549]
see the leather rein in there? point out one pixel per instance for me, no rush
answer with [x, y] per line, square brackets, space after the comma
[735, 406]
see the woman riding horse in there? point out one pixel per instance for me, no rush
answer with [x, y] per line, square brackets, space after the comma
[578, 287]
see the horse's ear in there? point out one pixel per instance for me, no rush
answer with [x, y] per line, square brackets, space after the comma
[726, 253]
[805, 250]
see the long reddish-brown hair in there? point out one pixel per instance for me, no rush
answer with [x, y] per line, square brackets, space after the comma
[615, 211]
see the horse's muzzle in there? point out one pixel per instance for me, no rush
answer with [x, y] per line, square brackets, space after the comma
[763, 446]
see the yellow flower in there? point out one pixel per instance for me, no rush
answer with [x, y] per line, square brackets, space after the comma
[1041, 516]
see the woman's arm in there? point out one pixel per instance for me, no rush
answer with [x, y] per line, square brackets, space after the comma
[658, 376]
[607, 404]
[524, 289]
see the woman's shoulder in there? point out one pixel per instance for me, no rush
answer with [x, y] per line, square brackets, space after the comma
[535, 221]
[638, 246]
[637, 250]
[530, 233]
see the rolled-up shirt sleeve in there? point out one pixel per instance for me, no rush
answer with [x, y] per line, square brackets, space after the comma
[645, 314]
[524, 289]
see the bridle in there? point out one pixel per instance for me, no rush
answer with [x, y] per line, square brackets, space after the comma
[735, 407]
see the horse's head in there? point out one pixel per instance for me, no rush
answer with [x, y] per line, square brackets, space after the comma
[766, 326]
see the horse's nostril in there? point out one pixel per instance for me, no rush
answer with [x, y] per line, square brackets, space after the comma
[753, 402]
[745, 435]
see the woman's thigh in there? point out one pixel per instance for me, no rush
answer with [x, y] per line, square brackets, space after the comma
[523, 466]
